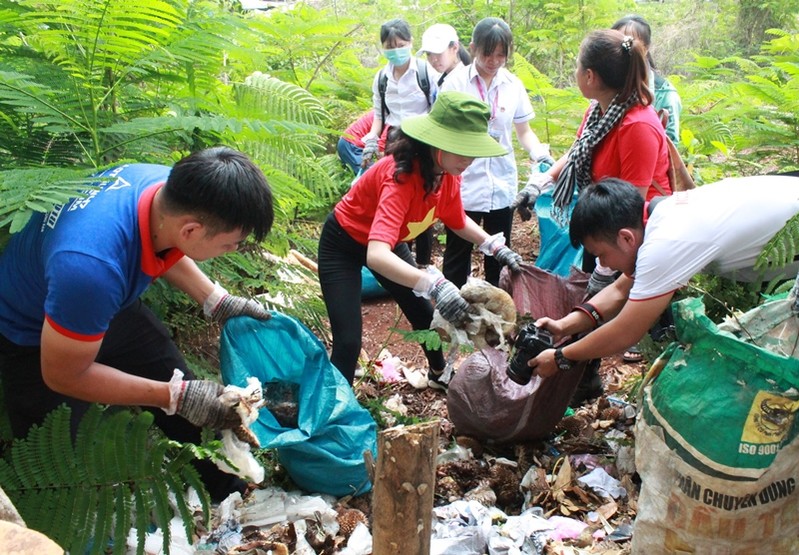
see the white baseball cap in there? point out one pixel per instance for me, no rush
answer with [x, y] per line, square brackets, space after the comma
[437, 38]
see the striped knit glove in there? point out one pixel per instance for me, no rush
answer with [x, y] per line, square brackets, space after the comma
[509, 258]
[221, 305]
[198, 402]
[449, 302]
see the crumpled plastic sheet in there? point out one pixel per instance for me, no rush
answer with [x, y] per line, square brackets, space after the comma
[472, 333]
[565, 528]
[247, 402]
[603, 483]
[467, 528]
[154, 541]
[359, 542]
[264, 508]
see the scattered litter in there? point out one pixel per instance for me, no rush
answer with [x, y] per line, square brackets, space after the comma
[603, 483]
[237, 443]
[417, 377]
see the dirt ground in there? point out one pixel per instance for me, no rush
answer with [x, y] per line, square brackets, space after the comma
[578, 434]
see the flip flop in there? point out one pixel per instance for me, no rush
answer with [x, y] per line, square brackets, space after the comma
[632, 355]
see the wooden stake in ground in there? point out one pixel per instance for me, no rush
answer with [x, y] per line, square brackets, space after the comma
[405, 480]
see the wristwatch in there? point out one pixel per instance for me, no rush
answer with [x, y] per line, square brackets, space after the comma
[562, 362]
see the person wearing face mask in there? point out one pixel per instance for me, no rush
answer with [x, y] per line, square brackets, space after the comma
[490, 184]
[402, 194]
[403, 96]
[443, 49]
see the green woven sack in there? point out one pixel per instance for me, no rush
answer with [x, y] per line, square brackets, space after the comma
[725, 406]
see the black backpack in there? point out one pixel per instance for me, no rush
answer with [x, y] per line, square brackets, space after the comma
[421, 79]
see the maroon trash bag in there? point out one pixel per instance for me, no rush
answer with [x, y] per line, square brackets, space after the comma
[483, 402]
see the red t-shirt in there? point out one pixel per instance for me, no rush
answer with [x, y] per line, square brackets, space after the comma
[377, 208]
[635, 150]
[361, 127]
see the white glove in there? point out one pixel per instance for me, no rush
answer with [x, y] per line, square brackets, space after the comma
[540, 153]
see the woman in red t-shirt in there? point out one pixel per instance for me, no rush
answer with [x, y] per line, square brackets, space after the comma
[415, 184]
[621, 134]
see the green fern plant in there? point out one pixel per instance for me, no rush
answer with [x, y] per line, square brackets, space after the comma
[782, 248]
[118, 474]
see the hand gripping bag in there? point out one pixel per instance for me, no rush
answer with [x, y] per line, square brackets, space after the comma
[311, 417]
[716, 440]
[483, 402]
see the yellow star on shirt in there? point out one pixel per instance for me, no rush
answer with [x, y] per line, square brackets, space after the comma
[416, 228]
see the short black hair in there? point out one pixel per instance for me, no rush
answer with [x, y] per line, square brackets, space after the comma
[224, 189]
[489, 33]
[395, 29]
[603, 209]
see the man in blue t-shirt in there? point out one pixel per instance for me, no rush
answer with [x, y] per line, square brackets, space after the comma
[72, 327]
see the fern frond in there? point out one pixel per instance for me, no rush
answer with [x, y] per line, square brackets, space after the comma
[87, 36]
[89, 497]
[27, 96]
[37, 190]
[264, 96]
[781, 249]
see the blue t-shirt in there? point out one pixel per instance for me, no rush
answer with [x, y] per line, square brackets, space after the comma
[82, 262]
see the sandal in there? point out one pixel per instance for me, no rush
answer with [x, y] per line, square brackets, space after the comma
[632, 355]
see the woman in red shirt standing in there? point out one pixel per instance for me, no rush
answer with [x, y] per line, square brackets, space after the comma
[621, 134]
[403, 194]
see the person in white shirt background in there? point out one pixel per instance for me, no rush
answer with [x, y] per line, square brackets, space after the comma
[444, 50]
[489, 185]
[403, 97]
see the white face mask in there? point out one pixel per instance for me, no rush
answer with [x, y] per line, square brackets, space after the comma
[398, 56]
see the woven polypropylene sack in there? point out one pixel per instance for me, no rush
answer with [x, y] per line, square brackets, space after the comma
[323, 453]
[483, 402]
[717, 443]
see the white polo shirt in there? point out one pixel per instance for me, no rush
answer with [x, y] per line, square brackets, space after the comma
[404, 97]
[491, 183]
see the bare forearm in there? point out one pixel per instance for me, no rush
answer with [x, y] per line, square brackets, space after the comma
[104, 384]
[187, 276]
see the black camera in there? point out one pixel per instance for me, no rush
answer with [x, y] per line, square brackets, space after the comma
[530, 341]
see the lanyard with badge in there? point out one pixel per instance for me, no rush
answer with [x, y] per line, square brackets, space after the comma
[494, 127]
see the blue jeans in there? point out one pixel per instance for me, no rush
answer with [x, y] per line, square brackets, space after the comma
[350, 155]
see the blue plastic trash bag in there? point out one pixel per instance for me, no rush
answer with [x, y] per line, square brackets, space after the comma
[312, 419]
[556, 253]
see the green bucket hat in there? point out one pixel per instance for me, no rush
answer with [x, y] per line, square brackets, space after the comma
[458, 123]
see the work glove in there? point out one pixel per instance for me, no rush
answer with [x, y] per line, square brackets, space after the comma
[449, 302]
[509, 258]
[198, 402]
[541, 156]
[495, 246]
[369, 152]
[221, 305]
[525, 199]
[600, 278]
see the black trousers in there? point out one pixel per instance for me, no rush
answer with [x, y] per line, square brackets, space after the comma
[340, 261]
[136, 342]
[458, 252]
[424, 247]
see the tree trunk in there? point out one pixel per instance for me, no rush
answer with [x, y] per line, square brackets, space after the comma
[402, 502]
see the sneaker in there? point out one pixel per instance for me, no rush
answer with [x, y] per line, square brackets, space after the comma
[435, 380]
